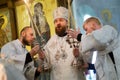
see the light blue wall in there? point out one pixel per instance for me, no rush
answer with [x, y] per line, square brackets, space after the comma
[106, 10]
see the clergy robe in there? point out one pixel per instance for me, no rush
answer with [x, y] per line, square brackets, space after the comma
[60, 56]
[104, 40]
[9, 72]
[16, 52]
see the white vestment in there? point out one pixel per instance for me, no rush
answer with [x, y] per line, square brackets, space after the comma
[104, 40]
[9, 72]
[60, 56]
[16, 52]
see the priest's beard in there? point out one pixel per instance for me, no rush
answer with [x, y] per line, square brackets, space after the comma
[60, 31]
[25, 42]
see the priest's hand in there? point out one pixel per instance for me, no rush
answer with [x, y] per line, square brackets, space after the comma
[41, 54]
[34, 50]
[73, 33]
[39, 69]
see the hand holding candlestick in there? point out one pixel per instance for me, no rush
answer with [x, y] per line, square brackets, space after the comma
[42, 56]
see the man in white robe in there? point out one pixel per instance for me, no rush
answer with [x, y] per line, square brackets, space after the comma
[15, 51]
[106, 41]
[58, 52]
[59, 57]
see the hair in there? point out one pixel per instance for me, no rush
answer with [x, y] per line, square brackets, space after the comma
[92, 19]
[25, 28]
[38, 4]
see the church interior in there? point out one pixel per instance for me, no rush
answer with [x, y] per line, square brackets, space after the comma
[18, 13]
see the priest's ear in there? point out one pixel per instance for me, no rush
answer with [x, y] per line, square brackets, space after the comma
[23, 33]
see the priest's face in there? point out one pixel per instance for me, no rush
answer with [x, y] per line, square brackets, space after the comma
[91, 26]
[61, 26]
[28, 37]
